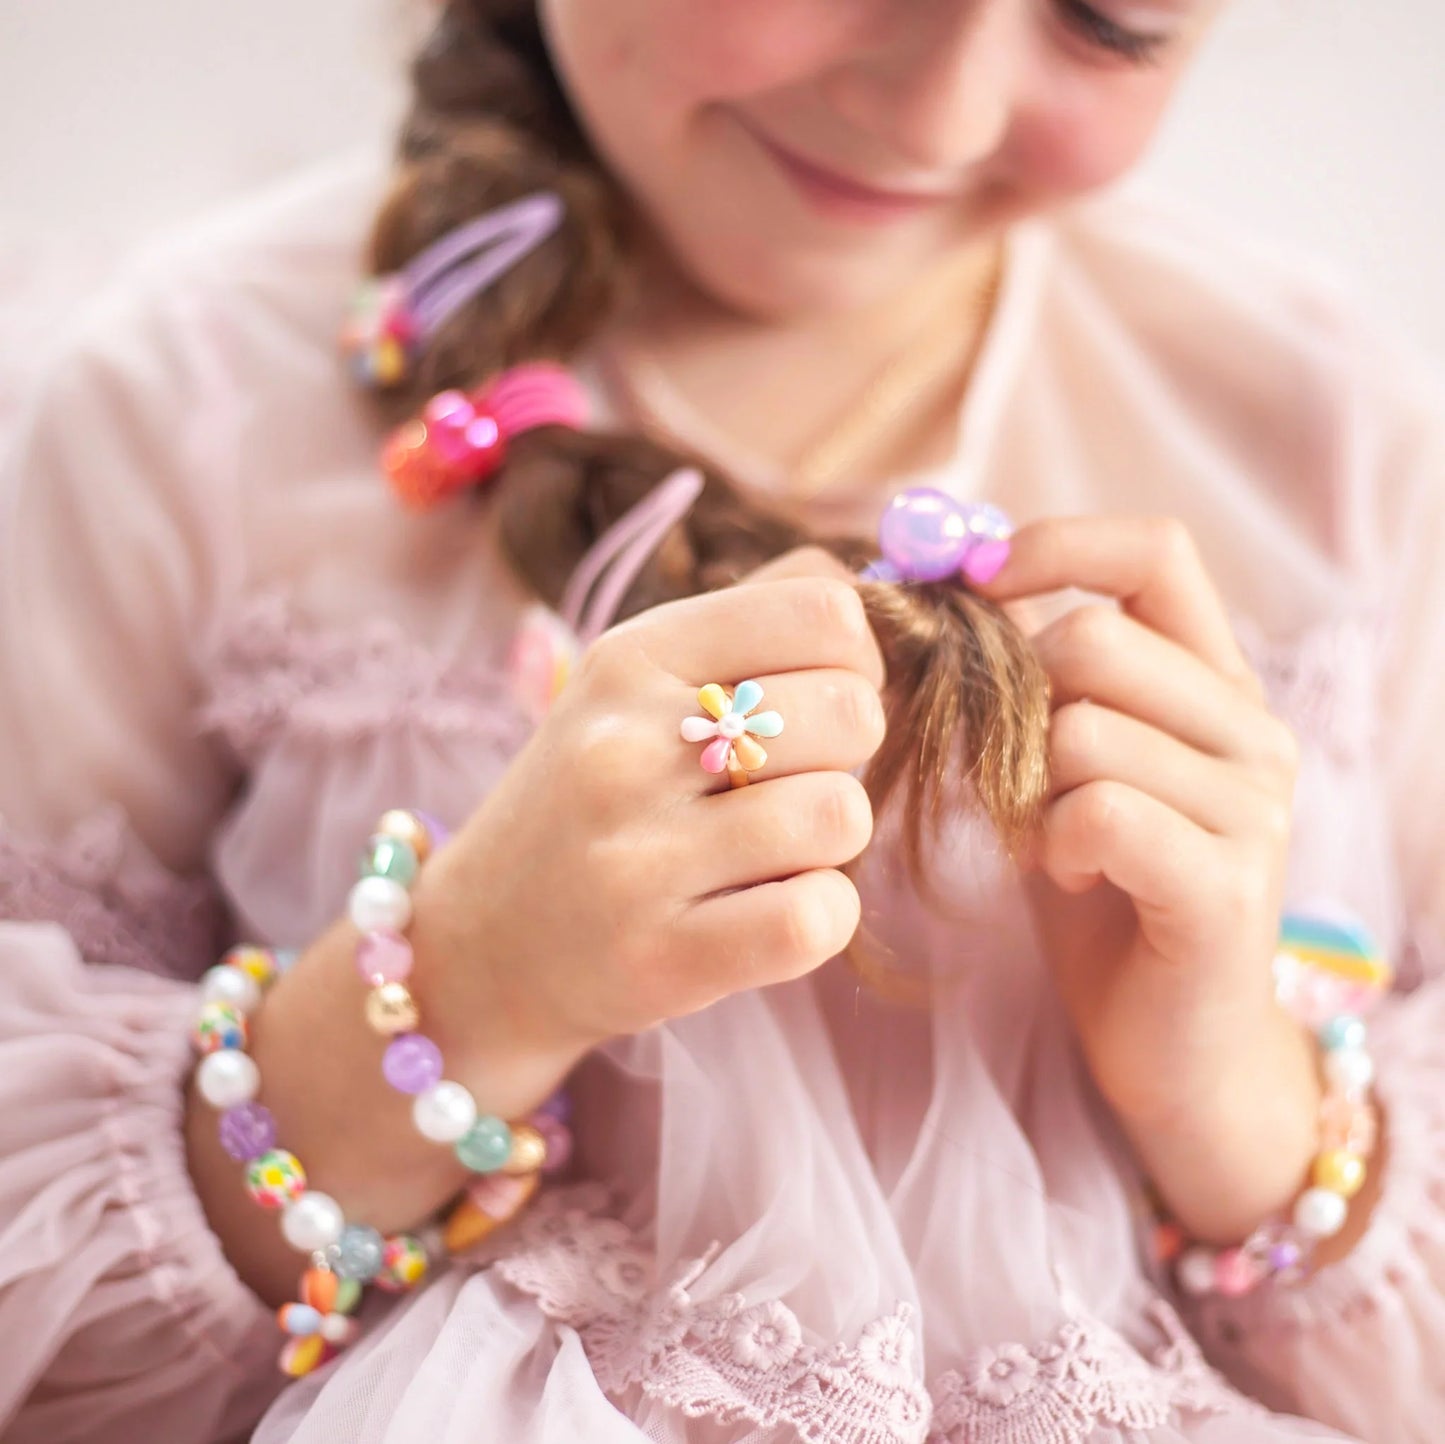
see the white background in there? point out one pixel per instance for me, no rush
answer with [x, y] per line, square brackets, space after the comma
[1320, 123]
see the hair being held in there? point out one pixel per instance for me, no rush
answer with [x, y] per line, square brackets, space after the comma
[966, 700]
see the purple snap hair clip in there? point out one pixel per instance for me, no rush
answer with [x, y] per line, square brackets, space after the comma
[926, 535]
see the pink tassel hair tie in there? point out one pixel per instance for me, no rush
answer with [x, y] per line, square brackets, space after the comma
[460, 439]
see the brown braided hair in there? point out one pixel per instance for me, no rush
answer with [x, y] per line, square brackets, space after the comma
[966, 699]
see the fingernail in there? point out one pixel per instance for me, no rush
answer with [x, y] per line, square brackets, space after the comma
[985, 561]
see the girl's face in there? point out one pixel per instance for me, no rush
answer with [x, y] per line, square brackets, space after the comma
[808, 155]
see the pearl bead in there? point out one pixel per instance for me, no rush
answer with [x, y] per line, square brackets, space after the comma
[377, 904]
[529, 1150]
[1349, 1069]
[391, 1009]
[444, 1112]
[1343, 1031]
[409, 828]
[487, 1145]
[1340, 1172]
[228, 1078]
[313, 1222]
[225, 984]
[1195, 1271]
[358, 1253]
[1320, 1213]
[384, 958]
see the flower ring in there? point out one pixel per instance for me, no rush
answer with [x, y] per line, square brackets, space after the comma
[725, 730]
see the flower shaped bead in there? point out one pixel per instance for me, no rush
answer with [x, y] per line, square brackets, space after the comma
[726, 729]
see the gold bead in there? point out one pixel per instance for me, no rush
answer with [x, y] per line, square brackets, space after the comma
[1340, 1172]
[409, 828]
[391, 1009]
[529, 1150]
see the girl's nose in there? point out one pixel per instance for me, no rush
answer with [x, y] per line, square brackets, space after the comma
[935, 85]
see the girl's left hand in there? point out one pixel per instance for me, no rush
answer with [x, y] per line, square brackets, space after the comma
[1160, 866]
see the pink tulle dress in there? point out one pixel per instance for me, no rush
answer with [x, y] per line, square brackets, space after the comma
[807, 1213]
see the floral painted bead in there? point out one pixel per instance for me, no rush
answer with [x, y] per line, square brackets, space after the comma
[217, 1026]
[276, 1179]
[403, 1264]
[256, 963]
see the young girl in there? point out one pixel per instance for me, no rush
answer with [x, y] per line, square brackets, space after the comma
[878, 1183]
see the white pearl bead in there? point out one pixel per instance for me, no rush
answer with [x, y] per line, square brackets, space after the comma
[1349, 1068]
[1195, 1271]
[228, 1078]
[313, 1222]
[379, 904]
[1320, 1213]
[336, 1328]
[444, 1112]
[226, 984]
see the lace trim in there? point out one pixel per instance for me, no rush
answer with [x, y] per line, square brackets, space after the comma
[1321, 682]
[272, 674]
[118, 903]
[736, 1362]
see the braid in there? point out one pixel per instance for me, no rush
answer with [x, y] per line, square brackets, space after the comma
[490, 123]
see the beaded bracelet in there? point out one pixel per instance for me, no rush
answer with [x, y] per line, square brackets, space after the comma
[442, 1110]
[344, 1256]
[1321, 963]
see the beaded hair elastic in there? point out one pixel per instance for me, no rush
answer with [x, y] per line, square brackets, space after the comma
[393, 317]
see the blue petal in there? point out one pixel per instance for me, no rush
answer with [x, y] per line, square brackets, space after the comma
[747, 696]
[765, 724]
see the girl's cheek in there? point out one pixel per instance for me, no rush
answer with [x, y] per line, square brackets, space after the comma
[734, 49]
[1086, 133]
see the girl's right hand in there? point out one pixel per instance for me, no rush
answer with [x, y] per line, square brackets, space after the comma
[609, 882]
[606, 884]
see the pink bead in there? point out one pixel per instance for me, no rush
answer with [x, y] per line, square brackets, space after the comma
[383, 957]
[985, 560]
[1235, 1273]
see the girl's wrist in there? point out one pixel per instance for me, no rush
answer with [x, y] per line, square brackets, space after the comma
[1243, 1154]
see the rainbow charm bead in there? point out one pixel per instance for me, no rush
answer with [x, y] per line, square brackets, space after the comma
[403, 1264]
[217, 1026]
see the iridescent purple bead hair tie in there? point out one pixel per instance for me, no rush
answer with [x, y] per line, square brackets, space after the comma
[926, 535]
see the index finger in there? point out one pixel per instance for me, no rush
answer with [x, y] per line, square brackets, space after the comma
[1150, 564]
[789, 625]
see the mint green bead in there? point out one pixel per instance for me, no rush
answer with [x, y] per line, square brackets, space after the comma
[486, 1145]
[391, 857]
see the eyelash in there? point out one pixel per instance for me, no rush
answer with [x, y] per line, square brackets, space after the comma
[1099, 30]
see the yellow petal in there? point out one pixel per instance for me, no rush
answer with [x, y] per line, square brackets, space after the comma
[714, 701]
[748, 753]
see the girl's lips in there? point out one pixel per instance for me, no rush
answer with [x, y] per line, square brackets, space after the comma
[839, 197]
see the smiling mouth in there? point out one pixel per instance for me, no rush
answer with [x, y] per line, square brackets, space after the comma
[840, 195]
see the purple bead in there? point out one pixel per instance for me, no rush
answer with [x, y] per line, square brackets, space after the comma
[558, 1106]
[436, 829]
[248, 1131]
[412, 1063]
[1284, 1255]
[925, 534]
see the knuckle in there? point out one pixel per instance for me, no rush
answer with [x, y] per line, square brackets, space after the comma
[859, 710]
[1073, 738]
[1098, 808]
[844, 815]
[1276, 820]
[1281, 749]
[1086, 632]
[809, 928]
[1171, 542]
[835, 608]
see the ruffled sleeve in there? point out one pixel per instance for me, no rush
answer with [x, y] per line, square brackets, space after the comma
[1361, 1346]
[120, 1316]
